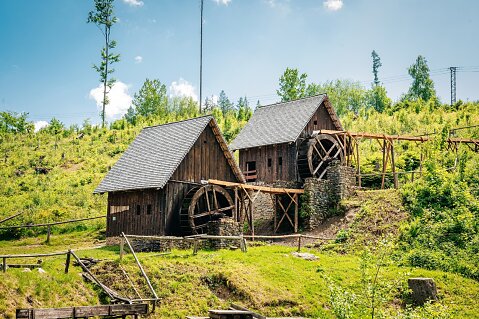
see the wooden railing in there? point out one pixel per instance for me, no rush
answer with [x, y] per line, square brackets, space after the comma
[250, 175]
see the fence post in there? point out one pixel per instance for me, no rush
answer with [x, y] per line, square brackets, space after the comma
[195, 247]
[299, 243]
[122, 245]
[4, 264]
[67, 263]
[49, 230]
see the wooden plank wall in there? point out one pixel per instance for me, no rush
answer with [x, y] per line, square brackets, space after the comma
[122, 213]
[204, 161]
[275, 172]
[288, 171]
[323, 122]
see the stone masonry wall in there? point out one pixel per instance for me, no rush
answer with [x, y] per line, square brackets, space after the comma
[224, 227]
[322, 196]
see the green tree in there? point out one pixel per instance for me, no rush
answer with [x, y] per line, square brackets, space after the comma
[151, 99]
[103, 17]
[12, 122]
[292, 85]
[244, 110]
[376, 65]
[130, 115]
[377, 98]
[422, 86]
[224, 103]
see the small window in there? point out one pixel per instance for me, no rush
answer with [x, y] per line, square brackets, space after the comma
[148, 209]
[315, 122]
[280, 161]
[270, 162]
[138, 209]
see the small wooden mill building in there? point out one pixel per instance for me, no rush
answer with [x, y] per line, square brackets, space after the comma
[156, 188]
[281, 142]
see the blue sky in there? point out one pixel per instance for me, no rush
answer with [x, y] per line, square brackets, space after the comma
[47, 48]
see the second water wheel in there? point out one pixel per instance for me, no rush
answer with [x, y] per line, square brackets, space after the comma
[316, 153]
[203, 204]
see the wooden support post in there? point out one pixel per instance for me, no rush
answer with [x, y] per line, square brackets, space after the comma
[252, 216]
[393, 166]
[299, 243]
[236, 212]
[195, 247]
[385, 161]
[67, 262]
[420, 164]
[49, 230]
[358, 169]
[122, 247]
[296, 212]
[4, 264]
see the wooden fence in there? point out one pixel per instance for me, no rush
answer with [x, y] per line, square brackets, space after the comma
[112, 311]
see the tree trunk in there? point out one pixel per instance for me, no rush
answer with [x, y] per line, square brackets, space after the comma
[423, 290]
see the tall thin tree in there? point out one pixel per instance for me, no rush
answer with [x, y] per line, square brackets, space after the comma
[103, 17]
[376, 65]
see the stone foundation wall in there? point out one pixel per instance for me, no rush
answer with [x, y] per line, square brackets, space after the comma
[322, 196]
[224, 227]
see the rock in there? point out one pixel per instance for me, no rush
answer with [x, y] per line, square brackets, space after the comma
[40, 270]
[305, 256]
[423, 290]
[26, 270]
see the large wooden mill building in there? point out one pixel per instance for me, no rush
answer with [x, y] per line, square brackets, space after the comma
[282, 141]
[156, 187]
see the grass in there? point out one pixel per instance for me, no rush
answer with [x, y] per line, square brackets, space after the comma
[268, 279]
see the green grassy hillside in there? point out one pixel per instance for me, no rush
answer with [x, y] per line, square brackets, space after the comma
[268, 279]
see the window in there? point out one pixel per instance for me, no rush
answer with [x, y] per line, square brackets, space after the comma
[280, 161]
[148, 209]
[138, 209]
[270, 162]
[315, 123]
[250, 173]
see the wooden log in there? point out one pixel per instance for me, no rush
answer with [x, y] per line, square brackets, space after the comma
[52, 224]
[140, 266]
[296, 212]
[11, 217]
[423, 290]
[230, 314]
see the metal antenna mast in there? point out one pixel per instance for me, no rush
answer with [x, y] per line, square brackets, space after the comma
[201, 55]
[453, 84]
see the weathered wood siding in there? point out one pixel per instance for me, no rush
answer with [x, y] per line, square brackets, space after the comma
[205, 160]
[288, 151]
[266, 173]
[321, 120]
[123, 216]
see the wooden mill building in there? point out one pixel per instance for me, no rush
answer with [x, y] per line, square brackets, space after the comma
[155, 188]
[280, 143]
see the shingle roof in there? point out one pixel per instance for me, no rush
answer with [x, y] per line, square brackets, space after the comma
[281, 122]
[155, 154]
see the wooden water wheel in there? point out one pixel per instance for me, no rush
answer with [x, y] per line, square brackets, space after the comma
[203, 204]
[316, 153]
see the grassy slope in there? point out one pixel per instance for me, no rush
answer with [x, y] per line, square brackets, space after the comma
[267, 278]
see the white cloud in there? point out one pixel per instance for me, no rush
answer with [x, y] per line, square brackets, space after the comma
[224, 2]
[333, 5]
[118, 97]
[134, 3]
[183, 88]
[39, 125]
[282, 6]
[138, 59]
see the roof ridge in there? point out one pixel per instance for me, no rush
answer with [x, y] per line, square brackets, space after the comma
[176, 122]
[292, 101]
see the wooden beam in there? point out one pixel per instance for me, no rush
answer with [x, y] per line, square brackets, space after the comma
[265, 189]
[83, 312]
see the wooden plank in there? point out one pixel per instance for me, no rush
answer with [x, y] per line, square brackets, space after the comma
[83, 311]
[265, 189]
